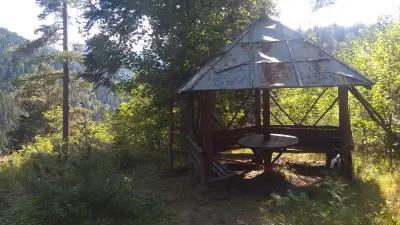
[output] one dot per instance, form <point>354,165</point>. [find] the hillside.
<point>10,68</point>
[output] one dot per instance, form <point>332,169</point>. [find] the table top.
<point>276,141</point>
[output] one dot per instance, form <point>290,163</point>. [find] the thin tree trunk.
<point>171,127</point>
<point>65,80</point>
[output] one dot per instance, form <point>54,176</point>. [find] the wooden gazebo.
<point>266,56</point>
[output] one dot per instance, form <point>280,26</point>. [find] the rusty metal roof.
<point>270,55</point>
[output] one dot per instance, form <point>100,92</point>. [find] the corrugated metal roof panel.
<point>270,55</point>
<point>237,78</point>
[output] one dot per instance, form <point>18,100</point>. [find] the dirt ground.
<point>241,200</point>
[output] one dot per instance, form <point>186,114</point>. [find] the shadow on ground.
<point>246,199</point>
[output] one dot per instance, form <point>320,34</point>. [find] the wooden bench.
<point>221,171</point>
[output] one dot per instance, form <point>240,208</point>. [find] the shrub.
<point>88,188</point>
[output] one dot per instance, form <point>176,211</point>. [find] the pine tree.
<point>51,33</point>
<point>65,77</point>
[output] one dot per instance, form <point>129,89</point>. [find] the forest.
<point>93,133</point>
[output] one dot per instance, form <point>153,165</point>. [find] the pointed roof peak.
<point>264,18</point>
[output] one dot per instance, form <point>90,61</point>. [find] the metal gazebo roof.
<point>270,55</point>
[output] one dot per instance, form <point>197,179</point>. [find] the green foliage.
<point>8,117</point>
<point>183,36</point>
<point>376,53</point>
<point>95,183</point>
<point>88,188</point>
<point>331,37</point>
<point>10,68</point>
<point>371,199</point>
<point>296,102</point>
<point>318,4</point>
<point>48,33</point>
<point>41,92</point>
<point>140,126</point>
<point>334,206</point>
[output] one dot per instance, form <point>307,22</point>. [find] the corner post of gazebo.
<point>266,114</point>
<point>207,100</point>
<point>186,114</point>
<point>257,108</point>
<point>346,136</point>
<point>267,119</point>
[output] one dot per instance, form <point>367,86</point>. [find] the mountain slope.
<point>10,68</point>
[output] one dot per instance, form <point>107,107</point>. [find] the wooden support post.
<point>346,136</point>
<point>266,114</point>
<point>207,105</point>
<point>257,108</point>
<point>193,127</point>
<point>185,117</point>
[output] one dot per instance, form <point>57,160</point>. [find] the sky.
<point>20,16</point>
<point>298,13</point>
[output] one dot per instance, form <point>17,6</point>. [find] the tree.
<point>376,53</point>
<point>37,94</point>
<point>177,37</point>
<point>10,68</point>
<point>41,92</point>
<point>318,4</point>
<point>65,77</point>
<point>52,33</point>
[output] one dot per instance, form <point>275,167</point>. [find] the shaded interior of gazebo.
<point>266,57</point>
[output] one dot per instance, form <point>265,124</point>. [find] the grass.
<point>371,199</point>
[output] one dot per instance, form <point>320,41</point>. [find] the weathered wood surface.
<point>186,114</point>
<point>311,139</point>
<point>207,105</point>
<point>257,108</point>
<point>346,136</point>
<point>266,114</point>
<point>221,172</point>
<point>197,159</point>
<point>275,142</point>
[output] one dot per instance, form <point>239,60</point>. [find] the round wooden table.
<point>263,149</point>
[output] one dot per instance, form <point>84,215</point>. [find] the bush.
<point>329,207</point>
<point>88,188</point>
<point>336,202</point>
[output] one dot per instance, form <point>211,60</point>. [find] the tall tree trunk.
<point>65,79</point>
<point>171,127</point>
